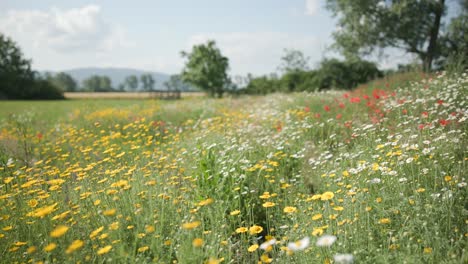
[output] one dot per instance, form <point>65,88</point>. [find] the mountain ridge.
<point>116,74</point>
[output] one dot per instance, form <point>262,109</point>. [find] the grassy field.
<point>376,175</point>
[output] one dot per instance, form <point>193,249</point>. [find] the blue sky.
<point>149,35</point>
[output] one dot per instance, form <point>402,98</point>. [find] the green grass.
<point>210,181</point>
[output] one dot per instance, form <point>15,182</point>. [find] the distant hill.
<point>117,75</point>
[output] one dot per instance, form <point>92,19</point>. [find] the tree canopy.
<point>147,82</point>
<point>63,81</point>
<point>293,60</point>
<point>131,82</point>
<point>97,83</point>
<point>17,79</point>
<point>206,68</point>
<point>411,25</point>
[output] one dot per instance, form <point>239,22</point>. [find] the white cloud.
<point>312,7</point>
<point>259,52</point>
<point>74,30</point>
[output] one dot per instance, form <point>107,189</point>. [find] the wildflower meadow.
<point>373,175</point>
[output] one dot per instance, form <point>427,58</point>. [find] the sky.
<point>150,34</point>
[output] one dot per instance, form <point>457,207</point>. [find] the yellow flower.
<point>428,250</point>
<point>43,211</point>
<point>378,200</point>
<point>149,229</point>
<point>265,195</point>
<point>384,221</point>
<point>197,242</point>
<point>338,208</point>
<point>33,203</point>
<point>447,178</point>
<point>241,230</point>
<point>114,226</point>
<point>109,212</point>
<point>327,196</point>
<point>317,232</point>
<point>214,261</point>
<point>59,231</point>
<point>368,208</point>
<point>235,212</point>
<point>255,229</point>
<point>268,204</point>
<point>75,245</point>
<point>50,247</point>
<point>289,209</point>
<point>96,232</point>
<point>316,197</point>
<point>7,228</point>
<point>206,202</point>
<point>420,190</point>
<point>31,249</point>
<point>191,225</point>
<point>104,250</point>
<point>143,249</point>
<point>317,217</point>
<point>252,248</point>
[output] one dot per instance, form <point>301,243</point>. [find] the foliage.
<point>331,74</point>
<point>454,43</point>
<point>345,75</point>
<point>131,82</point>
<point>147,82</point>
<point>293,61</point>
<point>412,26</point>
<point>63,81</point>
<point>97,83</point>
<point>17,79</point>
<point>206,68</point>
<point>175,83</point>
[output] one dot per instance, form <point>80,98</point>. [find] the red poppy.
<point>307,109</point>
<point>443,122</point>
<point>326,108</point>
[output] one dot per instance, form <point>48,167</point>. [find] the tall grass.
<point>372,176</point>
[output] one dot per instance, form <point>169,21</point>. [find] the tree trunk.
<point>432,47</point>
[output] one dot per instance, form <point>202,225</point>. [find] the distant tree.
<point>147,82</point>
<point>293,61</point>
<point>105,84</point>
<point>206,68</point>
<point>338,74</point>
<point>63,81</point>
<point>16,75</point>
<point>97,83</point>
<point>261,85</point>
<point>411,25</point>
<point>131,82</point>
<point>454,43</point>
<point>175,83</point>
<point>17,79</point>
<point>121,87</point>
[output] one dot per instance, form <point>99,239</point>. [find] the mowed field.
<point>376,175</point>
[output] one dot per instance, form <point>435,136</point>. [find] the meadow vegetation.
<point>374,175</point>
